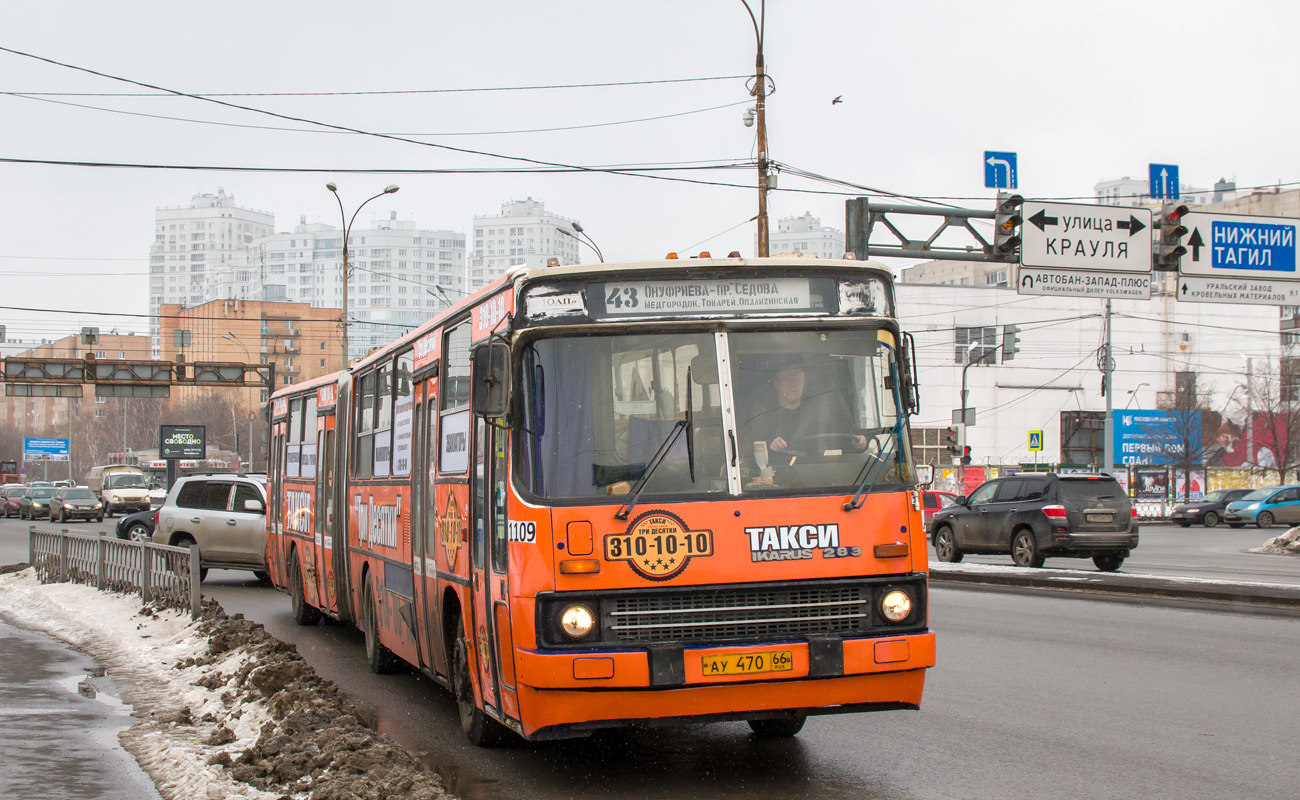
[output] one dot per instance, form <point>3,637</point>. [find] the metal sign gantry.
<point>64,377</point>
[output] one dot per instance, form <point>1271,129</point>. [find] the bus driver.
<point>794,427</point>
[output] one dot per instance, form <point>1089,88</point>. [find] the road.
<point>1033,697</point>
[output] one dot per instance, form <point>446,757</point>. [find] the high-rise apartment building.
<point>523,234</point>
<point>401,275</point>
<point>191,243</point>
<point>804,234</point>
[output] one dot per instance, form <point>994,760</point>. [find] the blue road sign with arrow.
<point>1164,182</point>
<point>1000,170</point>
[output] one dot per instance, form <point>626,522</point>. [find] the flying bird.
<point>838,99</point>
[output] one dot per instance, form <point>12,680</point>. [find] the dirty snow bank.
<point>1288,544</point>
<point>224,709</point>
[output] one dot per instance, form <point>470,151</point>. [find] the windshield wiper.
<point>876,465</point>
<point>683,424</point>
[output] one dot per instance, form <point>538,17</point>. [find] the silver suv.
<point>225,515</point>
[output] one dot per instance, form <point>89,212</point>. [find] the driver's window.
<point>983,494</point>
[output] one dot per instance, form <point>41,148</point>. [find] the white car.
<point>224,514</point>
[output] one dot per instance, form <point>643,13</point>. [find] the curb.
<point>1258,594</point>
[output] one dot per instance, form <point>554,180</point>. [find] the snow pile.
<point>225,710</point>
<point>1288,544</point>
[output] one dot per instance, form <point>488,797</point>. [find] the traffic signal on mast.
<point>1006,225</point>
<point>965,455</point>
<point>950,440</point>
<point>1172,230</point>
<point>1010,342</point>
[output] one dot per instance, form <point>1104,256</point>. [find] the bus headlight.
<point>896,605</point>
<point>577,621</point>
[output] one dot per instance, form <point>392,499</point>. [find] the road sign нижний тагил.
<point>1079,236</point>
<point>1239,246</point>
<point>1164,182</point>
<point>1000,170</point>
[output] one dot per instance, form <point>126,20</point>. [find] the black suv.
<point>1034,516</point>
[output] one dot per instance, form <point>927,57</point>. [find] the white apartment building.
<point>804,234</point>
<point>401,275</point>
<point>959,273</point>
<point>191,243</point>
<point>523,234</point>
<point>1160,347</point>
<point>1128,191</point>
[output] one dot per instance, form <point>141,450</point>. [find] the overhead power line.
<point>462,90</point>
<point>284,129</point>
<point>332,126</point>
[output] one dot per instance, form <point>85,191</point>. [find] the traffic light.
<point>950,440</point>
<point>1006,227</point>
<point>1172,231</point>
<point>965,455</point>
<point>1010,342</point>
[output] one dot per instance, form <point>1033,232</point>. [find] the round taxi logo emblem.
<point>658,545</point>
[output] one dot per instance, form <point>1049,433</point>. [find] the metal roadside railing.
<point>161,574</point>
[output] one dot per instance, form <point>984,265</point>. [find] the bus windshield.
<point>812,411</point>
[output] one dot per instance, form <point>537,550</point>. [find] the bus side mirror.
<point>491,379</point>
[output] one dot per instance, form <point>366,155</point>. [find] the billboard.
<point>45,449</point>
<point>1144,436</point>
<point>182,441</point>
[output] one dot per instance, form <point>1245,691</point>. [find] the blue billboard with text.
<point>1156,437</point>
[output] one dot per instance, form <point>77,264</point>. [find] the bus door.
<point>326,471</point>
<point>423,548</point>
<point>489,585</point>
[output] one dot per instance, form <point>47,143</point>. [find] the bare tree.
<point>1273,419</point>
<point>1180,434</point>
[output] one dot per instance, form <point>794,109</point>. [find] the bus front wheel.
<point>779,728</point>
<point>480,729</point>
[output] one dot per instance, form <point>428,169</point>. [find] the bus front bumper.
<point>572,693</point>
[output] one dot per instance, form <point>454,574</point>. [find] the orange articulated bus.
<point>648,493</point>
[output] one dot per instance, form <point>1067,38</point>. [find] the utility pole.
<point>759,91</point>
<point>1108,423</point>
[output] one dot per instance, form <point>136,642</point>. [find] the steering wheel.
<point>818,443</point>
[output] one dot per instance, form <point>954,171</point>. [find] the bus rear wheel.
<point>479,728</point>
<point>779,728</point>
<point>303,612</point>
<point>380,659</point>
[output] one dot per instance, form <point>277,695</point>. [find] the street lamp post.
<point>1132,393</point>
<point>347,229</point>
<point>759,91</point>
<point>961,470</point>
<point>248,359</point>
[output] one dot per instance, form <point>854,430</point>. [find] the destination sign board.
<point>1239,246</point>
<point>1196,289</point>
<point>1078,283</point>
<point>1078,236</point>
<point>634,297</point>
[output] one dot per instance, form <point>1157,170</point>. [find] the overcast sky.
<point>1081,91</point>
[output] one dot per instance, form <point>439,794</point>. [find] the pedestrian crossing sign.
<point>1035,440</point>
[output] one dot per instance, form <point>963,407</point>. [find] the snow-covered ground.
<point>223,709</point>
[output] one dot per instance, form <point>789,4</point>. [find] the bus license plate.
<point>1100,517</point>
<point>748,663</point>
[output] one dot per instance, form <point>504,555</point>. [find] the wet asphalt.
<point>61,716</point>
